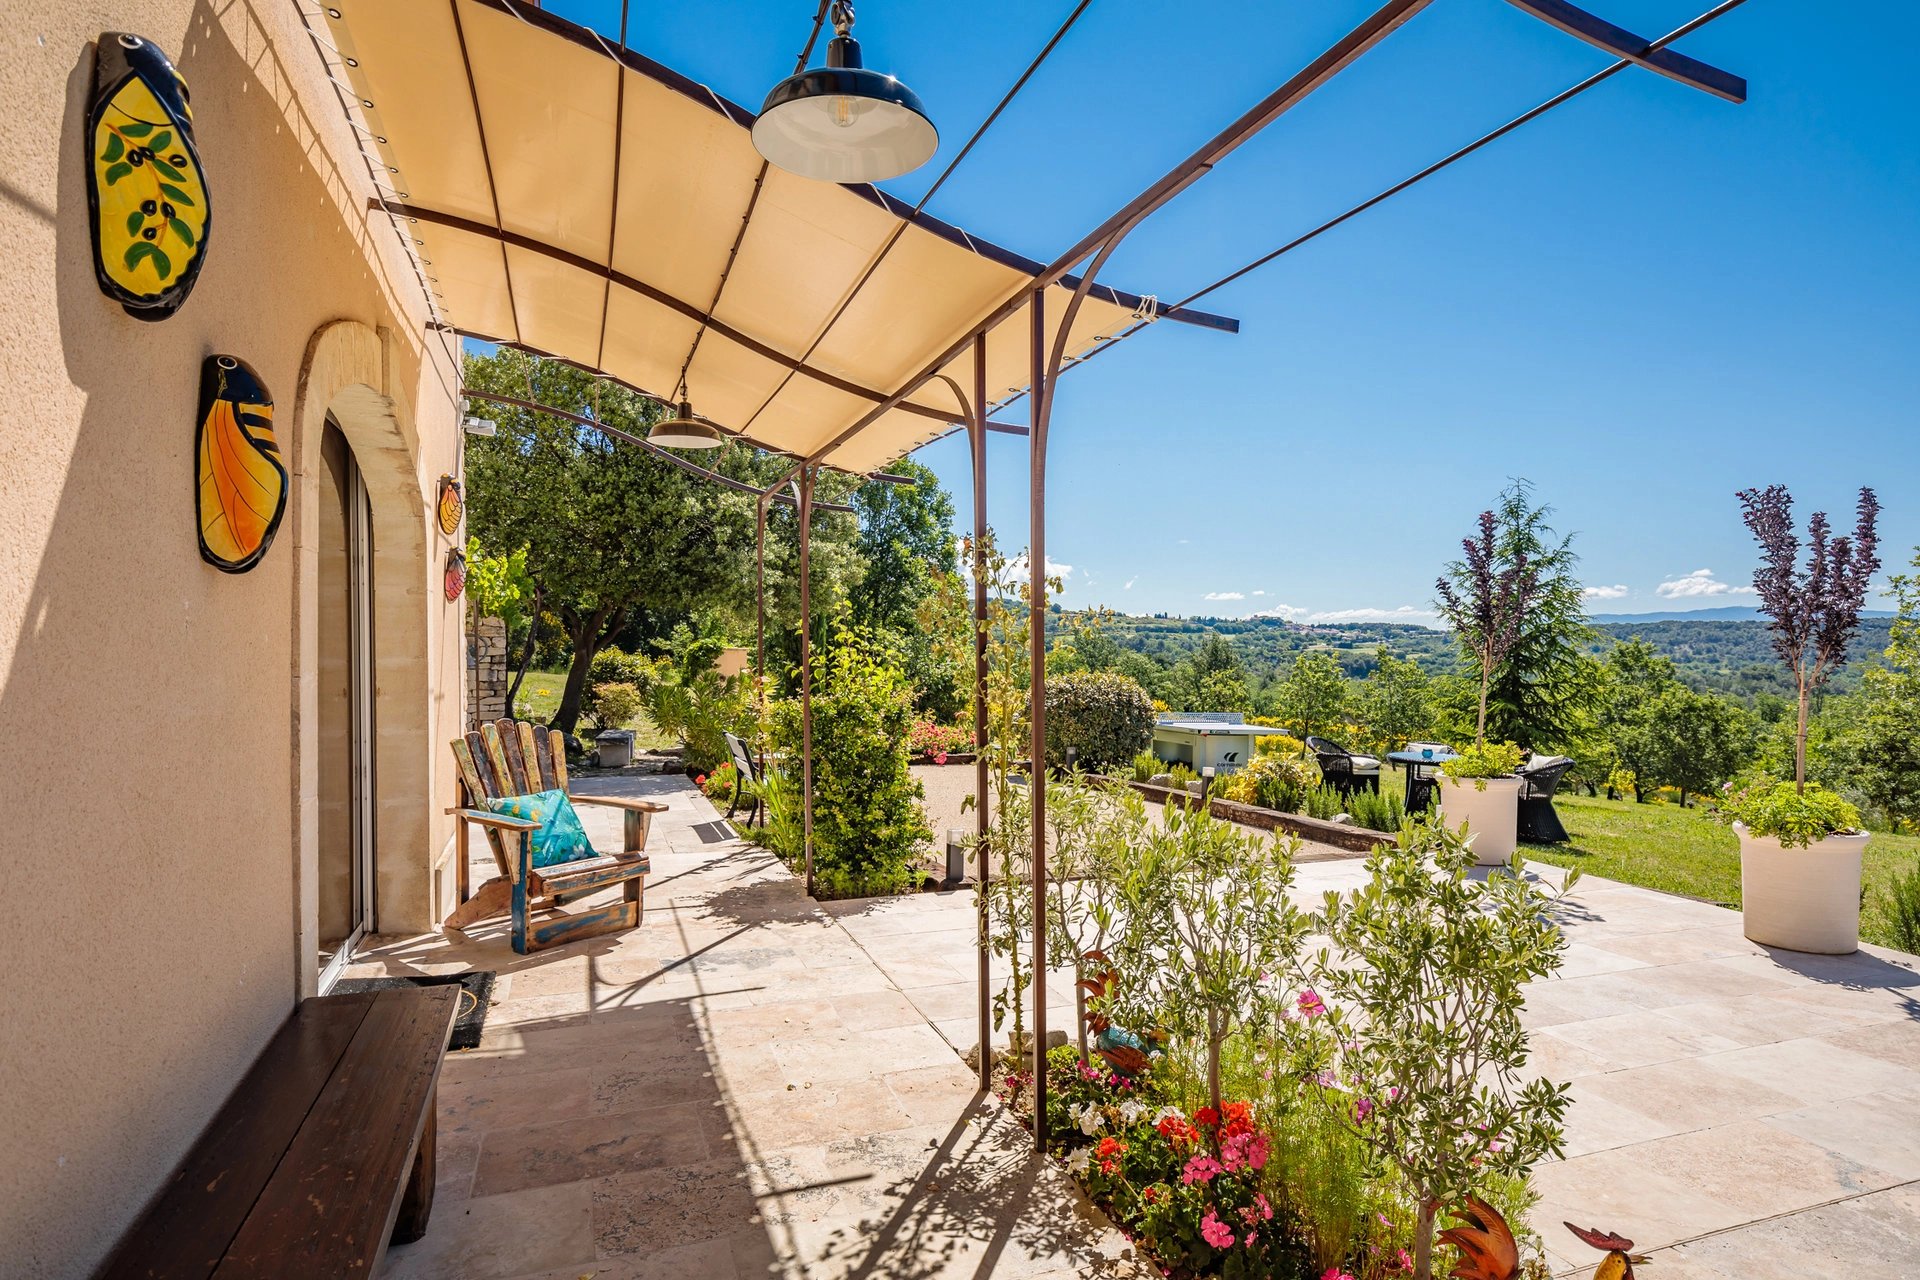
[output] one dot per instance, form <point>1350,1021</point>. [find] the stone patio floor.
<point>754,1085</point>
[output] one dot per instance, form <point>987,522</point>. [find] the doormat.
<point>476,993</point>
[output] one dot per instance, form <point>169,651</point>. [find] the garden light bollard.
<point>957,842</point>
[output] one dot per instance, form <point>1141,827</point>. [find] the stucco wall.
<point>159,804</point>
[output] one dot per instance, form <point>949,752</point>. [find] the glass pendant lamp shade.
<point>842,122</point>
<point>685,430</point>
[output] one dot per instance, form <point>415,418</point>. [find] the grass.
<point>540,698</point>
<point>1665,847</point>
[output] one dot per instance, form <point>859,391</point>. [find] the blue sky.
<point>1642,302</point>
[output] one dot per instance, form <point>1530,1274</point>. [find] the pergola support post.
<point>806,672</point>
<point>979,449</point>
<point>1037,698</point>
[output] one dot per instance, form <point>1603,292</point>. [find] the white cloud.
<point>1287,611</point>
<point>1259,593</point>
<point>1128,586</point>
<point>1225,595</point>
<point>1405,613</point>
<point>1700,583</point>
<point>1017,569</point>
<point>1605,593</point>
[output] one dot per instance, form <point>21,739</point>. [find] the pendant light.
<point>685,430</point>
<point>842,122</point>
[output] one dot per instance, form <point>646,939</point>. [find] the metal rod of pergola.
<point>797,486</point>
<point>1099,245</point>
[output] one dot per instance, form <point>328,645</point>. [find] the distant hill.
<point>1722,650</point>
<point>1723,613</point>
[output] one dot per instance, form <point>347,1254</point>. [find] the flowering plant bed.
<point>1258,1190</point>
<point>938,743</point>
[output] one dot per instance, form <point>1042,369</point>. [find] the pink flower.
<point>1362,1108</point>
<point>1200,1169</point>
<point>1335,1273</point>
<point>940,758</point>
<point>1310,1003</point>
<point>1215,1232</point>
<point>1244,1151</point>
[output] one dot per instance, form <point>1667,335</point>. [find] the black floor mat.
<point>476,994</point>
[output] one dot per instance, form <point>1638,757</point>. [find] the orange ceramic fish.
<point>241,491</point>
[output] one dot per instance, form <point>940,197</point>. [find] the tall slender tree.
<point>1814,611</point>
<point>1485,596</point>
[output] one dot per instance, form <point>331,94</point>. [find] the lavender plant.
<point>1814,610</point>
<point>1485,598</point>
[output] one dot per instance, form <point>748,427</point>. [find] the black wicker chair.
<point>1539,779</point>
<point>1342,769</point>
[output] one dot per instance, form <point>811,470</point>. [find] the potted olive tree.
<point>1485,597</point>
<point>1800,845</point>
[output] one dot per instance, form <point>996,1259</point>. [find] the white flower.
<point>1087,1116</point>
<point>1077,1162</point>
<point>1166,1111</point>
<point>1132,1109</point>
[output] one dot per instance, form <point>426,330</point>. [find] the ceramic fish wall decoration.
<point>456,574</point>
<point>450,506</point>
<point>242,484</point>
<point>145,188</point>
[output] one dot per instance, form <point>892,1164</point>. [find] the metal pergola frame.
<point>1094,249</point>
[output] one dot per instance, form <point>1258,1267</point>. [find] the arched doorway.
<point>345,878</point>
<point>347,410</point>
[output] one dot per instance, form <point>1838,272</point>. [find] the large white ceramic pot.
<point>1491,809</point>
<point>1802,899</point>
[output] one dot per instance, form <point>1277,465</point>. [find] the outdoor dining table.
<point>1416,764</point>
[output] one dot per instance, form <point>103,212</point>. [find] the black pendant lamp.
<point>842,122</point>
<point>685,430</point>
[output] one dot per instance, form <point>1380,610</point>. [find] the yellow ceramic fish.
<point>242,490</point>
<point>145,187</point>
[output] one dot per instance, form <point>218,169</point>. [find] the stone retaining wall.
<point>486,670</point>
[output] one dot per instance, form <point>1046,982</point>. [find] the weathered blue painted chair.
<point>513,758</point>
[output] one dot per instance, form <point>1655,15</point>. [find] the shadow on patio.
<point>735,1088</point>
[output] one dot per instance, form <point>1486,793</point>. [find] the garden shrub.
<point>1902,901</point>
<point>1272,781</point>
<point>867,820</point>
<point>1382,810</point>
<point>1145,765</point>
<point>616,705</point>
<point>1105,717</point>
<point>616,666</point>
<point>1797,819</point>
<point>701,712</point>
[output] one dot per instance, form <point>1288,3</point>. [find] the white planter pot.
<point>1492,815</point>
<point>1802,899</point>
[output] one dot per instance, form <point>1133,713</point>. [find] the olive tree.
<point>1422,984</point>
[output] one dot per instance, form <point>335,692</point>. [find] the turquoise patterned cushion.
<point>560,838</point>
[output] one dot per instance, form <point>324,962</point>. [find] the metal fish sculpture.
<point>242,489</point>
<point>450,505</point>
<point>1618,1264</point>
<point>1486,1244</point>
<point>146,191</point>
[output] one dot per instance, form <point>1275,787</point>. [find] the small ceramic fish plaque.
<point>456,574</point>
<point>450,506</point>
<point>242,489</point>
<point>145,188</point>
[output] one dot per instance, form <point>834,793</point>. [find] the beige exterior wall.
<point>158,719</point>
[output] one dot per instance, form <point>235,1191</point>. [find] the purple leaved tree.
<point>1815,610</point>
<point>1485,597</point>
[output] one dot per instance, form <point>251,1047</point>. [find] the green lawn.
<point>540,698</point>
<point>1662,846</point>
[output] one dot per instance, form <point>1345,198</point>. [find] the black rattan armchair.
<point>1539,779</point>
<point>1342,769</point>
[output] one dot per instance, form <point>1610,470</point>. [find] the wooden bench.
<point>322,1155</point>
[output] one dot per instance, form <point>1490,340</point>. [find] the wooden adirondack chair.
<point>513,758</point>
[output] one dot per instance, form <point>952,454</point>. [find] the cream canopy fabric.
<point>584,202</point>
